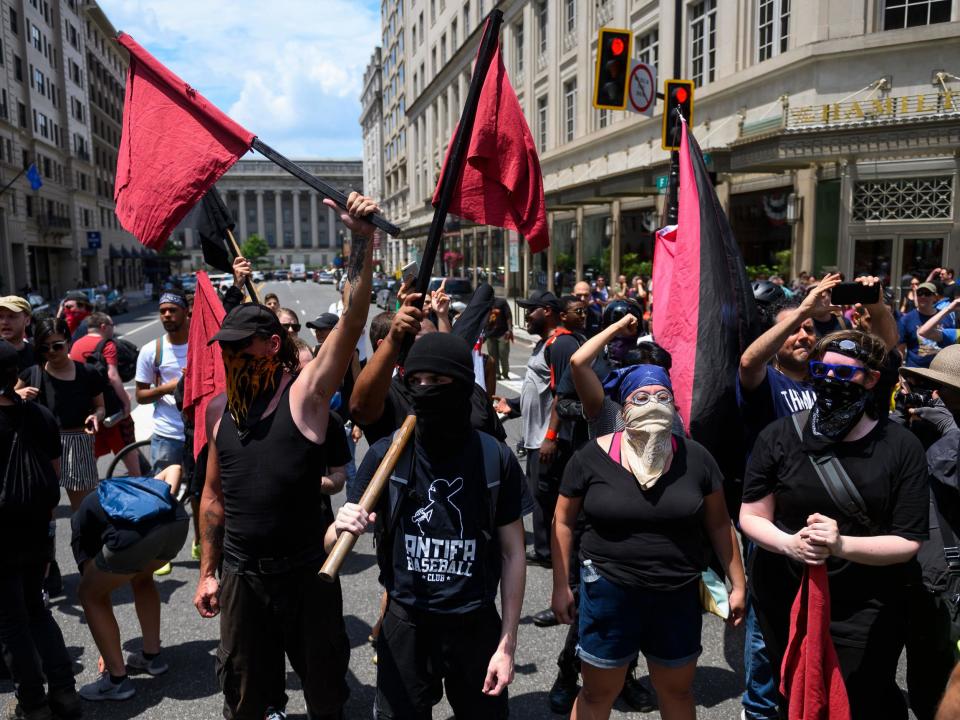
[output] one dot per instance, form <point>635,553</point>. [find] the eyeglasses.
<point>846,373</point>
<point>642,398</point>
<point>54,346</point>
<point>290,326</point>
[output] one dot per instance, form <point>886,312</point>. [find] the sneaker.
<point>195,551</point>
<point>65,704</point>
<point>154,666</point>
<point>104,689</point>
<point>164,570</point>
<point>275,715</point>
<point>637,696</point>
<point>545,618</point>
<point>563,694</point>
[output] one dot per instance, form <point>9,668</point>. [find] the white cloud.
<point>290,71</point>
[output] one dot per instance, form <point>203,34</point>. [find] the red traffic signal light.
<point>612,72</point>
<point>678,100</point>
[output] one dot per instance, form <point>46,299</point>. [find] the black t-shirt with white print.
<point>442,560</point>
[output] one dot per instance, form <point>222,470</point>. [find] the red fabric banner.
<point>502,184</point>
<point>175,145</point>
<point>204,377</point>
<point>810,678</point>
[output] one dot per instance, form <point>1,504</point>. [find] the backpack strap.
<point>492,471</point>
<point>157,359</point>
<point>614,451</point>
<point>835,479</point>
<point>400,482</point>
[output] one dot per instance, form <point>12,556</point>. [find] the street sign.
<point>643,88</point>
<point>93,240</point>
<point>663,182</point>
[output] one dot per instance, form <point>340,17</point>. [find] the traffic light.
<point>677,95</point>
<point>613,65</point>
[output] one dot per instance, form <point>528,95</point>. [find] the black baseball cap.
<point>541,298</point>
<point>246,320</point>
<point>77,296</point>
<point>325,322</point>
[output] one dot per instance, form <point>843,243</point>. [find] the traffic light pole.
<point>673,191</point>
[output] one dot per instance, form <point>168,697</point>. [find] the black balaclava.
<point>840,405</point>
<point>442,410</point>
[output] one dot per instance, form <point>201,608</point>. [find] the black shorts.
<point>421,654</point>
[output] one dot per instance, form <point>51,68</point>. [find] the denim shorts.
<point>165,451</point>
<point>617,623</point>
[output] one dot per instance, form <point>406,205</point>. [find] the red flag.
<point>703,311</point>
<point>501,183</point>
<point>175,145</point>
<point>204,377</point>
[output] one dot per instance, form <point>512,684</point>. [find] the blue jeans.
<point>760,695</point>
<point>165,451</point>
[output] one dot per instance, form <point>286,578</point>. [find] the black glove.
<point>937,417</point>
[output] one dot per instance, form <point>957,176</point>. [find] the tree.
<point>255,249</point>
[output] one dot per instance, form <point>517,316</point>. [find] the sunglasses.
<point>924,293</point>
<point>54,346</point>
<point>642,398</point>
<point>290,326</point>
<point>846,373</point>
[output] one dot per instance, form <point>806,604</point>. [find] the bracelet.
<point>551,434</point>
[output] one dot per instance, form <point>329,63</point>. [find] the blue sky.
<point>290,71</point>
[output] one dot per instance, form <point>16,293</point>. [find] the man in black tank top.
<point>263,500</point>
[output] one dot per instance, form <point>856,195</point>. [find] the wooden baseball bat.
<point>370,497</point>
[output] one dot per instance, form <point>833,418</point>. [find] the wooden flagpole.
<point>236,253</point>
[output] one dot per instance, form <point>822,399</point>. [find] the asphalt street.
<point>189,689</point>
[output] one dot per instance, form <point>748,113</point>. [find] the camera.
<point>911,400</point>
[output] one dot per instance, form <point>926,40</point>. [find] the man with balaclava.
<point>449,531</point>
<point>263,497</point>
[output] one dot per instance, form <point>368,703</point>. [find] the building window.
<point>703,42</point>
<point>924,198</point>
<point>466,20</point>
<point>18,68</point>
<point>14,22</point>
<point>35,37</point>
<point>22,114</point>
<point>542,123</point>
<point>542,18</point>
<point>518,32</point>
<point>443,49</point>
<point>570,15</point>
<point>453,36</point>
<point>569,109</point>
<point>648,49</point>
<point>773,28</point>
<point>898,14</point>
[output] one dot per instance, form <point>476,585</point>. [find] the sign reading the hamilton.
<point>881,109</point>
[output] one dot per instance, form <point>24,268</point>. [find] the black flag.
<point>212,221</point>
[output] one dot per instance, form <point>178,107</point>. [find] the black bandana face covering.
<point>839,407</point>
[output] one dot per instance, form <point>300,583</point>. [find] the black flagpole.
<point>317,184</point>
<point>454,166</point>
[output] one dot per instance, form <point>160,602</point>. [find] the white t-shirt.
<point>363,344</point>
<point>167,421</point>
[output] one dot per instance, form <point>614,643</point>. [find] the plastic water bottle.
<point>113,419</point>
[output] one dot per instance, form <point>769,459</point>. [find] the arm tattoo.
<point>213,530</point>
<point>358,252</point>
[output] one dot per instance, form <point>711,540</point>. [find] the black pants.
<point>544,483</point>
<point>930,650</point>
<point>33,646</point>
<point>264,616</point>
<point>419,654</point>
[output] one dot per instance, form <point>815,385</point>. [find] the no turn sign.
<point>643,88</point>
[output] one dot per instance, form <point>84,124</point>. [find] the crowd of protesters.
<point>849,482</point>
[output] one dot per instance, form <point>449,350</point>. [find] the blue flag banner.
<point>33,175</point>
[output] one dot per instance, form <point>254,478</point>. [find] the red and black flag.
<point>704,312</point>
<point>212,221</point>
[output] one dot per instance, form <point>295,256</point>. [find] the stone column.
<point>475,256</point>
<point>278,217</point>
<point>506,262</point>
<point>332,229</point>
<point>806,188</point>
<point>550,254</point>
<point>297,241</point>
<point>615,242</point>
<point>242,209</point>
<point>526,261</point>
<point>845,248</point>
<point>579,243</point>
<point>488,256</point>
<point>261,225</point>
<point>314,224</point>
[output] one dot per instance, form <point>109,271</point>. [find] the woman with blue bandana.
<point>653,502</point>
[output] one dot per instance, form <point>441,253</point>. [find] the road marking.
<point>140,328</point>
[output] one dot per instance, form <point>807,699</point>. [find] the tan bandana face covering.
<point>647,446</point>
<point>251,382</point>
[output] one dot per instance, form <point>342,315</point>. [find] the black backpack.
<point>28,482</point>
<point>126,360</point>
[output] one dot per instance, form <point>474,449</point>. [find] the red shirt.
<point>82,348</point>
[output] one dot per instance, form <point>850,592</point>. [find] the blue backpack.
<point>135,499</point>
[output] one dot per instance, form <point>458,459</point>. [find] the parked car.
<point>97,299</point>
<point>38,303</point>
<point>325,277</point>
<point>257,276</point>
<point>188,282</point>
<point>281,275</point>
<point>460,289</point>
<point>117,301</point>
<point>387,296</point>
